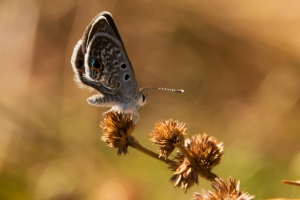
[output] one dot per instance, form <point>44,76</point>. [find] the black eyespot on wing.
<point>123,66</point>
<point>95,63</point>
<point>126,77</point>
<point>118,84</point>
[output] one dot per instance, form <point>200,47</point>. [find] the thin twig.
<point>136,145</point>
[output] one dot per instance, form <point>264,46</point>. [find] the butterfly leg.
<point>135,113</point>
<point>138,117</point>
<point>123,116</point>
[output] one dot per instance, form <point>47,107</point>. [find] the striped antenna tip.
<point>164,89</point>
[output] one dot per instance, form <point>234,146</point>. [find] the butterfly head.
<point>142,99</point>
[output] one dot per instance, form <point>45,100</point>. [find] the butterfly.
<point>99,61</point>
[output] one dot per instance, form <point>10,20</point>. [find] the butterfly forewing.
<point>99,60</point>
<point>106,61</point>
<point>112,24</point>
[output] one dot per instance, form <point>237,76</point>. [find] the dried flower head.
<point>226,191</point>
<point>205,150</point>
<point>185,175</point>
<point>117,129</point>
<point>168,134</point>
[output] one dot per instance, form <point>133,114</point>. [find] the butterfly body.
<point>99,61</point>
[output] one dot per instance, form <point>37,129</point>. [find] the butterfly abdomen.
<point>103,101</point>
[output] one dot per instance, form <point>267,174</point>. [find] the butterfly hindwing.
<point>82,80</point>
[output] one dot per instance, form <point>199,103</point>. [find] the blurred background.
<point>238,62</point>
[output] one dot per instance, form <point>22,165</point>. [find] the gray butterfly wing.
<point>88,33</point>
<point>77,62</point>
<point>100,61</point>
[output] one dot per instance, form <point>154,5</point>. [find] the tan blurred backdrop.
<point>238,62</point>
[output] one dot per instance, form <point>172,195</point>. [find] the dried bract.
<point>185,175</point>
<point>168,134</point>
<point>117,129</point>
<point>226,191</point>
<point>205,150</point>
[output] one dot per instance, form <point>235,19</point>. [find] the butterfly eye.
<point>144,98</point>
<point>95,63</point>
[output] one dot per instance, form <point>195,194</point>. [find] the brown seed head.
<point>206,150</point>
<point>226,191</point>
<point>185,175</point>
<point>168,134</point>
<point>116,128</point>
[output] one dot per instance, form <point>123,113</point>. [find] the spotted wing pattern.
<point>100,61</point>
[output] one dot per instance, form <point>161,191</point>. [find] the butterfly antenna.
<point>165,89</point>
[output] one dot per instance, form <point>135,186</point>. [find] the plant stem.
<point>136,145</point>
